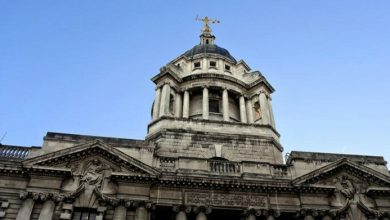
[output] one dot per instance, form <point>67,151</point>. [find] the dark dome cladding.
<point>209,48</point>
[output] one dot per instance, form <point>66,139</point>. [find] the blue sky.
<point>84,67</point>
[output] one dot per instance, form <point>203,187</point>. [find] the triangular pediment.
<point>168,71</point>
<point>69,159</point>
<point>343,168</point>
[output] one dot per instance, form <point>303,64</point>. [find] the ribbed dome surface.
<point>209,48</point>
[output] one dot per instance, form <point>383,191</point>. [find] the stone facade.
<point>212,152</point>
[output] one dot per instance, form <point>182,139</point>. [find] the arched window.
<point>172,104</point>
<point>257,112</point>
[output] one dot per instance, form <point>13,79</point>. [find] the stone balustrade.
<point>227,167</point>
<point>280,171</point>
<point>14,152</point>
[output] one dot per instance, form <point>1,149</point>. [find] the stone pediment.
<point>71,160</point>
<point>169,70</point>
<point>332,173</point>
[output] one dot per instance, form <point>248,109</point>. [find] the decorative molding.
<point>40,196</point>
<point>184,208</point>
<point>225,199</point>
<point>205,209</point>
<point>252,211</point>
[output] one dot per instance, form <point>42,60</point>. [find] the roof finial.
<point>206,30</point>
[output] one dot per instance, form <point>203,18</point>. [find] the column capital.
<point>271,213</point>
<point>205,209</point>
<point>179,208</point>
<point>46,196</point>
<point>117,202</point>
<point>252,211</point>
<point>308,213</point>
<point>25,195</point>
<point>264,92</point>
<point>205,86</point>
<point>247,97</point>
<point>145,204</point>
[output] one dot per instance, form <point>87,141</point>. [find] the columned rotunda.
<point>212,152</point>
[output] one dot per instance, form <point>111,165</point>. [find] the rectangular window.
<point>84,214</point>
<point>227,68</point>
<point>214,106</point>
<point>213,64</point>
<point>197,65</point>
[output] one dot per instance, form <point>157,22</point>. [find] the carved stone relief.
<point>230,200</point>
<point>351,194</point>
<point>90,182</point>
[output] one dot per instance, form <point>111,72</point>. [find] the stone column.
<point>309,217</point>
<point>242,109</point>
<point>141,213</point>
<point>201,212</point>
<point>25,210</point>
<point>271,112</point>
<point>181,211</point>
<point>164,102</point>
<point>181,215</point>
<point>249,110</point>
<point>120,213</point>
<point>156,104</point>
<point>178,105</point>
<point>186,104</point>
<point>251,217</point>
<point>205,104</point>
<point>250,214</point>
<point>225,104</point>
<point>201,216</point>
<point>47,210</point>
<point>263,101</point>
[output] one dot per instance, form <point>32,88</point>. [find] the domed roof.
<point>208,48</point>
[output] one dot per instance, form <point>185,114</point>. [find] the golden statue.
<point>206,20</point>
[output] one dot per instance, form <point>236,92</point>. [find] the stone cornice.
<point>12,171</point>
<point>383,191</point>
<point>137,178</point>
<point>229,79</point>
<point>215,76</point>
<point>264,186</point>
<point>217,122</point>
<point>47,171</point>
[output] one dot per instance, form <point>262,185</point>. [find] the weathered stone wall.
<point>233,148</point>
<point>10,201</point>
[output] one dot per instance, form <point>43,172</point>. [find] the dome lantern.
<point>206,37</point>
